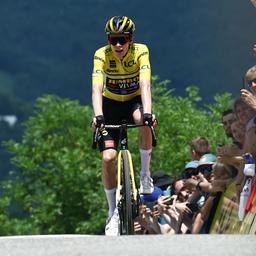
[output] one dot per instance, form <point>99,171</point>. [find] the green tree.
<point>181,119</point>
<point>57,188</point>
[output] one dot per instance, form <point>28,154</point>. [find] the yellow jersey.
<point>121,78</point>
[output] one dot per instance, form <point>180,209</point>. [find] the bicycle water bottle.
<point>249,168</point>
<point>244,196</point>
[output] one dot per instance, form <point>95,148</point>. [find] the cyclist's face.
<point>119,45</point>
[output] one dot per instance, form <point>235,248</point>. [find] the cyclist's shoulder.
<point>140,47</point>
<point>103,51</point>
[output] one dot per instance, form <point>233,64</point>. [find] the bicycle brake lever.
<point>95,138</point>
<point>154,142</point>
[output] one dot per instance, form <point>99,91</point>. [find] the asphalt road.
<point>80,245</point>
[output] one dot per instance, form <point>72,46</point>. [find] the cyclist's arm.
<point>97,99</point>
<point>146,96</point>
<point>145,77</point>
<point>97,83</point>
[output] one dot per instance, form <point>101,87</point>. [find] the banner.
<point>226,220</point>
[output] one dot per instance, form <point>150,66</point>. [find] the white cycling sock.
<point>111,198</point>
<point>145,157</point>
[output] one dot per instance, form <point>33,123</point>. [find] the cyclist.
<point>121,90</point>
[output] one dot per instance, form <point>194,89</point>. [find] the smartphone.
<point>169,202</point>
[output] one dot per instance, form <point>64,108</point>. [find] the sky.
<point>203,43</point>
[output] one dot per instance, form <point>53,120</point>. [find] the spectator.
<point>162,180</point>
<point>244,134</point>
<point>253,2</point>
<point>238,134</point>
<point>248,95</point>
<point>199,146</point>
<point>246,115</point>
<point>149,215</point>
<point>205,165</point>
<point>221,178</point>
<point>190,169</point>
<point>228,118</point>
<point>174,209</point>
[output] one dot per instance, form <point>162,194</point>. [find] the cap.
<point>151,197</point>
<point>207,159</point>
<point>192,164</point>
<point>161,179</point>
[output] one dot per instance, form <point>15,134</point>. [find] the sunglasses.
<point>190,172</point>
<point>205,170</point>
<point>250,83</point>
<point>120,39</point>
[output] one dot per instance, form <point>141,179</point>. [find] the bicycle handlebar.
<point>122,126</point>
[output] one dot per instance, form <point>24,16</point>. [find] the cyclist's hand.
<point>148,119</point>
<point>99,121</point>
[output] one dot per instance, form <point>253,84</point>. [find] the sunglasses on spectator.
<point>119,39</point>
<point>250,83</point>
<point>205,170</point>
<point>191,172</point>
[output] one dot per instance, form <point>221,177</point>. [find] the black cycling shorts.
<point>114,113</point>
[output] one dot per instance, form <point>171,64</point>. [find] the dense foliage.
<point>57,188</point>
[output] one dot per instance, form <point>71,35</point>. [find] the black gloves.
<point>100,121</point>
<point>147,119</point>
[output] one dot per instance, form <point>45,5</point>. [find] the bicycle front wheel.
<point>127,223</point>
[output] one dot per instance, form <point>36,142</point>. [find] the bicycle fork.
<point>119,177</point>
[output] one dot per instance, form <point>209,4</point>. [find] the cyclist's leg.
<point>108,146</point>
<point>145,146</point>
<point>109,178</point>
<point>145,143</point>
<point>109,182</point>
<point>145,138</point>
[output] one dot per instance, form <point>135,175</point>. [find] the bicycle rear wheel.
<point>126,218</point>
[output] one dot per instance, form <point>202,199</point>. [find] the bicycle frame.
<point>119,173</point>
<point>127,197</point>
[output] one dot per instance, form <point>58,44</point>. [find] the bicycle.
<point>127,196</point>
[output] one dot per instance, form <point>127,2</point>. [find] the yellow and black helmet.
<point>120,25</point>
